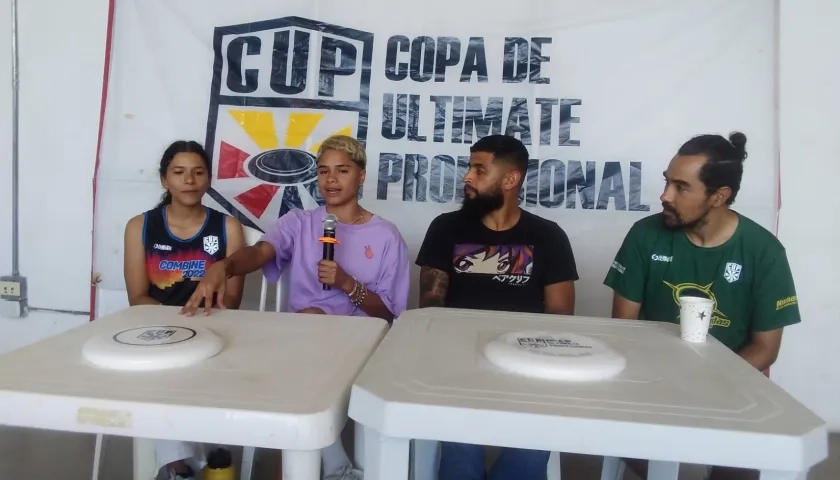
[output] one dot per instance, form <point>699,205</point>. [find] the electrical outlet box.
<point>13,287</point>
<point>10,290</point>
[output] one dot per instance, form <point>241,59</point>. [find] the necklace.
<point>362,214</point>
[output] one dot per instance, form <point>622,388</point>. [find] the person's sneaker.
<point>346,473</point>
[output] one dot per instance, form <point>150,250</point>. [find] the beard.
<point>674,221</point>
<point>477,205</point>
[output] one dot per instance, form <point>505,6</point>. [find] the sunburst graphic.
<point>264,158</point>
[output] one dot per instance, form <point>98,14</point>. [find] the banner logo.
<point>280,88</point>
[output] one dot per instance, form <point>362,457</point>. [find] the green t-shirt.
<point>748,277</point>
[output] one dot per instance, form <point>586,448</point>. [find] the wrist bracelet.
<point>355,288</point>
<point>358,300</point>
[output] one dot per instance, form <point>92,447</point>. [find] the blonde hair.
<point>348,145</point>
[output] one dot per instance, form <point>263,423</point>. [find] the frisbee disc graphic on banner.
<point>270,112</point>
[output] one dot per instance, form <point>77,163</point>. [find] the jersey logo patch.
<point>211,244</point>
<point>368,252</point>
<point>732,272</point>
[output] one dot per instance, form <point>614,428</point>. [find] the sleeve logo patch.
<point>786,302</point>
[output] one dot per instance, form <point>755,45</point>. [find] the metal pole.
<point>15,135</point>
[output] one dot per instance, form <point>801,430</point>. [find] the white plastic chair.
<point>281,297</point>
<point>144,453</point>
<point>281,304</point>
<point>110,299</point>
<point>144,448</point>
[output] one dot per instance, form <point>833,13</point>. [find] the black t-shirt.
<point>175,265</point>
<point>492,270</point>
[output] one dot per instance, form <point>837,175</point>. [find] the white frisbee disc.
<point>153,347</point>
<point>554,356</point>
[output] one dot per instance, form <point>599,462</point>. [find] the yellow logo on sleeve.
<point>786,302</point>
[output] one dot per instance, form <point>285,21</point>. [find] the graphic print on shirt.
<point>167,269</point>
<point>508,264</point>
<point>719,319</point>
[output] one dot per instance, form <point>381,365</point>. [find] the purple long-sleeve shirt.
<point>373,252</point>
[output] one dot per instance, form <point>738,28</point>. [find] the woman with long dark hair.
<point>169,248</point>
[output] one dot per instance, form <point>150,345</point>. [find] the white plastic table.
<point>282,381</point>
<point>674,402</point>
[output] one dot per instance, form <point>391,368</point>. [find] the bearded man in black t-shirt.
<point>492,255</point>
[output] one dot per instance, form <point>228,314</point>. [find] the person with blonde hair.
<point>368,277</point>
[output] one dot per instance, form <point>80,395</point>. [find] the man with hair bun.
<point>699,246</point>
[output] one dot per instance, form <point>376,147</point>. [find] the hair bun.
<point>739,141</point>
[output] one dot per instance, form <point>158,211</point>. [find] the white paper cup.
<point>695,317</point>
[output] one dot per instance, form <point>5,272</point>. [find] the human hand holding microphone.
<point>330,273</point>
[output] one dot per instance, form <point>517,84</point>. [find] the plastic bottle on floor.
<point>219,466</point>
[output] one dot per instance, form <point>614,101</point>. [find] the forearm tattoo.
<point>433,286</point>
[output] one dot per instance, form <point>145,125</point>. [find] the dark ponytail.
<point>179,146</point>
<point>165,199</point>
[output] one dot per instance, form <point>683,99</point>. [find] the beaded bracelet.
<point>358,294</point>
<point>358,301</point>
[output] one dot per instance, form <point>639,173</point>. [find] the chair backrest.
<point>281,296</point>
<point>252,235</point>
<point>109,301</point>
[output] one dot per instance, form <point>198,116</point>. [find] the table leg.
<point>98,455</point>
<point>663,470</point>
<point>426,459</point>
<point>144,459</point>
<point>246,469</point>
<point>775,475</point>
<point>359,446</point>
<point>612,469</point>
<point>385,458</point>
<point>301,464</point>
<point>554,469</point>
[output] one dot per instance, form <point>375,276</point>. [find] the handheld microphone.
<point>329,241</point>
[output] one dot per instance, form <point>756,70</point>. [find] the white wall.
<point>62,51</point>
<point>810,164</point>
<point>62,47</point>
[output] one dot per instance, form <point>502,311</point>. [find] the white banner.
<point>603,93</point>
